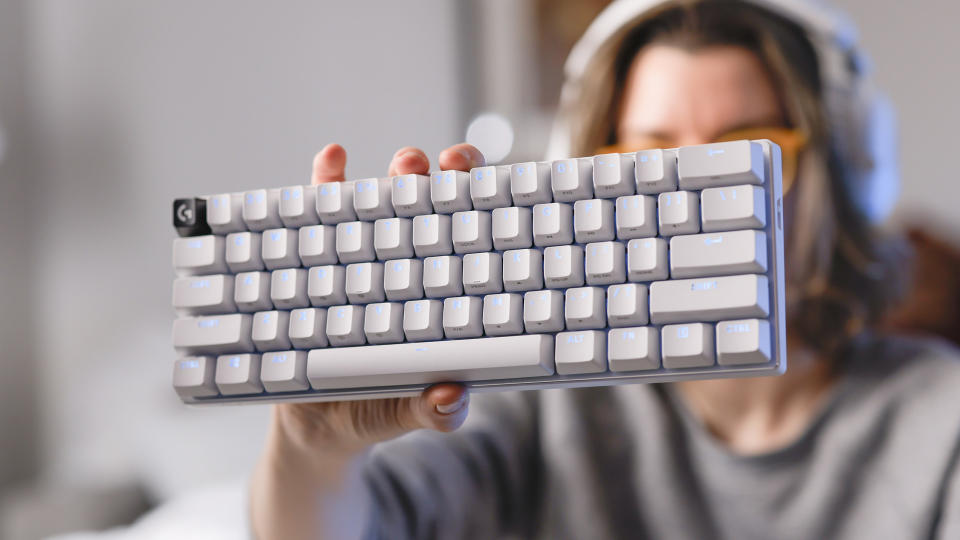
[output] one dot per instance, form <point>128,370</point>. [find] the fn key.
<point>190,217</point>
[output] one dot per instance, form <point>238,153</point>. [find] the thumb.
<point>442,407</point>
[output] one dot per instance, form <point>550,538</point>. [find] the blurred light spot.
<point>492,134</point>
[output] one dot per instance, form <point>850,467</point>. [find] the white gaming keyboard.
<point>659,265</point>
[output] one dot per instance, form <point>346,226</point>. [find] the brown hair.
<point>841,275</point>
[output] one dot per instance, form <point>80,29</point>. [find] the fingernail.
<point>466,155</point>
<point>451,408</point>
<point>411,153</point>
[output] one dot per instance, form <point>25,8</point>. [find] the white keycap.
<point>326,286</point>
<point>270,330</point>
<point>345,326</point>
<point>581,352</point>
<point>432,235</point>
<point>633,349</point>
<point>298,206</point>
<point>656,171</point>
<point>647,259</point>
<point>571,179</point>
<point>718,254</point>
<point>482,273</point>
<point>552,224</point>
<point>471,232</point>
<point>490,187</point>
<point>423,320</point>
<point>593,220</point>
<point>225,213</point>
<point>745,341</point>
<point>462,317</point>
<point>563,266</point>
<point>238,374</point>
<point>199,255</point>
<point>383,323</point>
<point>613,175</point>
<point>213,334</point>
<point>284,371</point>
<point>364,283</point>
<point>261,209</point>
<point>687,345</point>
<point>731,208</point>
<point>251,291</point>
<point>393,238</point>
<point>450,191</point>
<point>202,295</point>
<point>512,228</point>
<point>243,252</point>
<point>709,299</point>
<point>543,311</point>
<point>193,376</point>
<point>279,248</point>
<point>679,213</point>
<point>606,263</point>
<point>503,314</point>
<point>355,242</point>
<point>442,276</point>
<point>636,217</point>
<point>720,164</point>
<point>288,288</point>
<point>335,203</point>
<point>403,279</point>
<point>522,270</point>
<point>318,245</point>
<point>307,328</point>
<point>627,305</point>
<point>585,308</point>
<point>372,199</point>
<point>530,183</point>
<point>411,195</point>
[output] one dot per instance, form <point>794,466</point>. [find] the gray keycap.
<point>718,254</point>
<point>288,288</point>
<point>503,314</point>
<point>633,349</point>
<point>687,345</point>
<point>709,299</point>
<point>490,187</point>
<point>613,175</point>
<point>585,308</point>
<point>745,341</point>
<point>423,320</point>
<point>393,238</point>
<point>656,171</point>
<point>213,334</point>
<point>372,199</point>
<point>193,376</point>
<point>543,311</point>
<point>355,242</point>
<point>679,213</point>
<point>552,224</point>
<point>335,203</point>
<point>450,191</point>
<point>279,248</point>
<point>345,326</point>
<point>512,228</point>
<point>432,235</point>
<point>199,255</point>
<point>238,374</point>
<point>720,164</point>
<point>442,276</point>
<point>647,259</point>
<point>204,295</point>
<point>318,245</point>
<point>606,263</point>
<point>593,220</point>
<point>462,317</point>
<point>571,179</point>
<point>284,371</point>
<point>530,183</point>
<point>636,217</point>
<point>403,279</point>
<point>251,291</point>
<point>307,328</point>
<point>225,213</point>
<point>730,208</point>
<point>482,273</point>
<point>563,266</point>
<point>581,352</point>
<point>471,232</point>
<point>243,251</point>
<point>522,270</point>
<point>411,195</point>
<point>261,209</point>
<point>627,305</point>
<point>271,330</point>
<point>383,323</point>
<point>364,283</point>
<point>326,286</point>
<point>298,206</point>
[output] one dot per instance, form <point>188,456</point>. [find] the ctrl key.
<point>193,377</point>
<point>238,374</point>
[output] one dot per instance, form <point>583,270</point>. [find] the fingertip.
<point>409,160</point>
<point>329,164</point>
<point>461,157</point>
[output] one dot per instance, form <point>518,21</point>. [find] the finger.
<point>461,157</point>
<point>329,165</point>
<point>445,406</point>
<point>409,160</point>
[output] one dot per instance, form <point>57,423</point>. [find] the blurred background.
<point>109,109</point>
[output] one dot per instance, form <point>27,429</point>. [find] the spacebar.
<point>427,362</point>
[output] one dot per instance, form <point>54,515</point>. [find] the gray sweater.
<point>879,461</point>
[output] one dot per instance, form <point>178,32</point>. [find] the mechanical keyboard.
<point>653,266</point>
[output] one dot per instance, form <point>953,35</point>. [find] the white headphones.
<point>862,120</point>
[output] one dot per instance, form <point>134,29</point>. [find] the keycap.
<point>679,213</point>
<point>450,191</point>
<point>687,345</point>
<point>571,179</point>
<point>613,175</point>
<point>261,209</point>
<point>709,299</point>
<point>393,238</point>
<point>225,213</point>
<point>345,326</point>
<point>581,352</point>
<point>432,235</point>
<point>201,295</point>
<point>279,248</point>
<point>490,187</point>
<point>213,334</point>
<point>251,291</point>
<point>238,374</point>
<point>720,164</point>
<point>403,279</point>
<point>745,341</point>
<point>502,314</point>
<point>326,286</point>
<point>593,220</point>
<point>718,254</point>
<point>270,330</point>
<point>364,283</point>
<point>335,203</point>
<point>462,317</point>
<point>199,255</point>
<point>318,245</point>
<point>288,288</point>
<point>372,198</point>
<point>530,183</point>
<point>298,206</point>
<point>355,242</point>
<point>656,171</point>
<point>507,357</point>
<point>423,320</point>
<point>284,371</point>
<point>411,195</point>
<point>243,252</point>
<point>606,263</point>
<point>307,329</point>
<point>585,308</point>
<point>442,276</point>
<point>563,266</point>
<point>636,217</point>
<point>731,208</point>
<point>193,376</point>
<point>190,217</point>
<point>627,305</point>
<point>482,273</point>
<point>552,224</point>
<point>543,311</point>
<point>471,232</point>
<point>633,349</point>
<point>383,322</point>
<point>512,228</point>
<point>522,270</point>
<point>647,259</point>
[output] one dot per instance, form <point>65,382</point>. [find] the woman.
<point>859,439</point>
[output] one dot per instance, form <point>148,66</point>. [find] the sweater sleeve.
<point>948,524</point>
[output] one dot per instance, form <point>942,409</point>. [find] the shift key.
<point>709,299</point>
<point>215,334</point>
